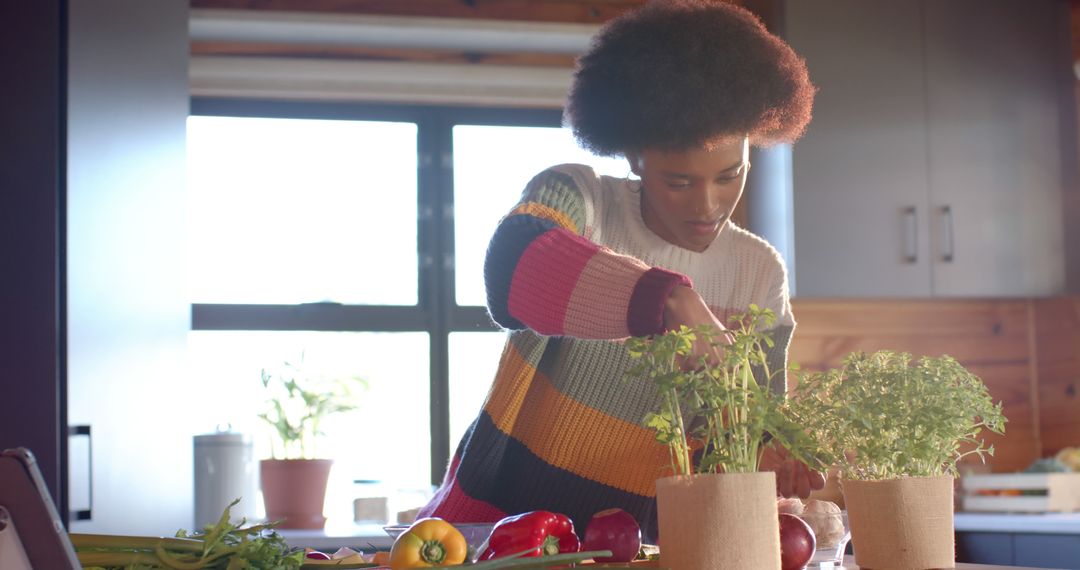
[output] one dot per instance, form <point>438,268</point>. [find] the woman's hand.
<point>685,307</point>
<point>793,478</point>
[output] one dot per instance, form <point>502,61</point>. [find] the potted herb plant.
<point>717,510</point>
<point>898,427</point>
<point>293,480</point>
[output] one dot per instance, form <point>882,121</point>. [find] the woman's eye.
<point>678,183</point>
<point>731,177</point>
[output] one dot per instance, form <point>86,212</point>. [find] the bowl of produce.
<point>832,533</point>
<point>475,534</point>
<point>829,524</point>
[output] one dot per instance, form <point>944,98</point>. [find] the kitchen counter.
<point>1048,523</point>
<point>849,564</point>
<point>336,535</point>
<point>367,536</point>
<point>371,536</point>
<point>1050,540</point>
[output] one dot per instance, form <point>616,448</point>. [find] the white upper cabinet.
<point>994,75</point>
<point>933,165</point>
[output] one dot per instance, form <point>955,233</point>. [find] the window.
<point>294,211</point>
<point>488,180</point>
<point>355,234</point>
<point>377,441</point>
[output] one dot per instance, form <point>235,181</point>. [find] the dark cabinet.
<point>1019,549</point>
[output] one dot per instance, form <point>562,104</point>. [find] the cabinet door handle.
<point>88,513</point>
<point>911,235</point>
<point>947,251</point>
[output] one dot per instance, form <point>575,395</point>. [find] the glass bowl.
<point>475,535</point>
<point>832,532</point>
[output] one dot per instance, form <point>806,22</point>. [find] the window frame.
<point>436,311</point>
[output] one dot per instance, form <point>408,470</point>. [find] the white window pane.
<point>491,167</point>
<point>285,211</point>
<point>387,438</point>
<point>474,358</point>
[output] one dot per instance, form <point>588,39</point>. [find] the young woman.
<point>681,89</point>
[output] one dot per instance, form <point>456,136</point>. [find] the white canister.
<point>225,470</point>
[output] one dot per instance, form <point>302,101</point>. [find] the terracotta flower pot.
<point>719,521</point>
<point>294,491</point>
<point>902,524</point>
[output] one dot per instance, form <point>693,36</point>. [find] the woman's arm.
<point>543,273</point>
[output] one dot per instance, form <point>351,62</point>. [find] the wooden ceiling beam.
<point>571,11</point>
<point>244,49</point>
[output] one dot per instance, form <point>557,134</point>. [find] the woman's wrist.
<point>648,310</point>
<point>676,305</point>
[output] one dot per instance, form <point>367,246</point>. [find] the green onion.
<point>518,562</point>
<point>81,541</point>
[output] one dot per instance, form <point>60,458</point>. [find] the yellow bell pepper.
<point>428,542</point>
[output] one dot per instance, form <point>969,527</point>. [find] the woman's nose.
<point>707,200</point>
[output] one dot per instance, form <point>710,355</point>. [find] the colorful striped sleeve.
<point>542,273</point>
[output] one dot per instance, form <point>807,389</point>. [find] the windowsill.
<point>337,534</point>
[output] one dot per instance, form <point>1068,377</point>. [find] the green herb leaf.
<point>725,409</point>
<point>885,415</point>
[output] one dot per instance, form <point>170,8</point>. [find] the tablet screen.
<point>32,534</point>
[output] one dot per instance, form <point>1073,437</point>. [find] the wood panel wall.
<point>1027,351</point>
<point>1057,342</point>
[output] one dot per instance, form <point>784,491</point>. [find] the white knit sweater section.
<point>738,269</point>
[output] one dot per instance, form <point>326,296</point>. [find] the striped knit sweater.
<point>570,272</point>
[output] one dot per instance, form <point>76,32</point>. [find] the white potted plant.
<point>717,510</point>
<point>294,479</point>
<point>897,428</point>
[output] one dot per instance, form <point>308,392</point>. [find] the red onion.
<point>614,530</point>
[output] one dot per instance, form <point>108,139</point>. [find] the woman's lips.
<point>704,228</point>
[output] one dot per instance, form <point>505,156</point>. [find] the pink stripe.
<point>443,491</point>
<point>457,507</point>
<point>450,503</point>
<point>599,303</point>
<point>545,278</point>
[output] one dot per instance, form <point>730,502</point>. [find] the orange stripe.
<point>547,213</point>
<point>567,434</point>
<point>570,435</point>
<point>508,393</point>
<point>589,443</point>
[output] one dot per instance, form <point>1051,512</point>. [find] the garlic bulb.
<point>791,506</point>
<point>825,520</point>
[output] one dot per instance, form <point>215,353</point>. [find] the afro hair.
<point>679,74</point>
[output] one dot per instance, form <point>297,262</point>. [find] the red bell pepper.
<point>543,532</point>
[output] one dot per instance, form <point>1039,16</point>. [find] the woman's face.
<point>688,195</point>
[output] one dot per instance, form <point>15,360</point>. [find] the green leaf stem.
<point>723,409</point>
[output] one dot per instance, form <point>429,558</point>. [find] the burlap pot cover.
<point>719,522</point>
<point>902,524</point>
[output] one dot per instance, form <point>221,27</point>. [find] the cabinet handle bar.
<point>947,250</point>
<point>911,235</point>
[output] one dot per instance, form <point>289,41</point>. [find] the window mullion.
<point>435,236</point>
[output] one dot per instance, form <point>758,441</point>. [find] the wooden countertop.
<point>849,564</point>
